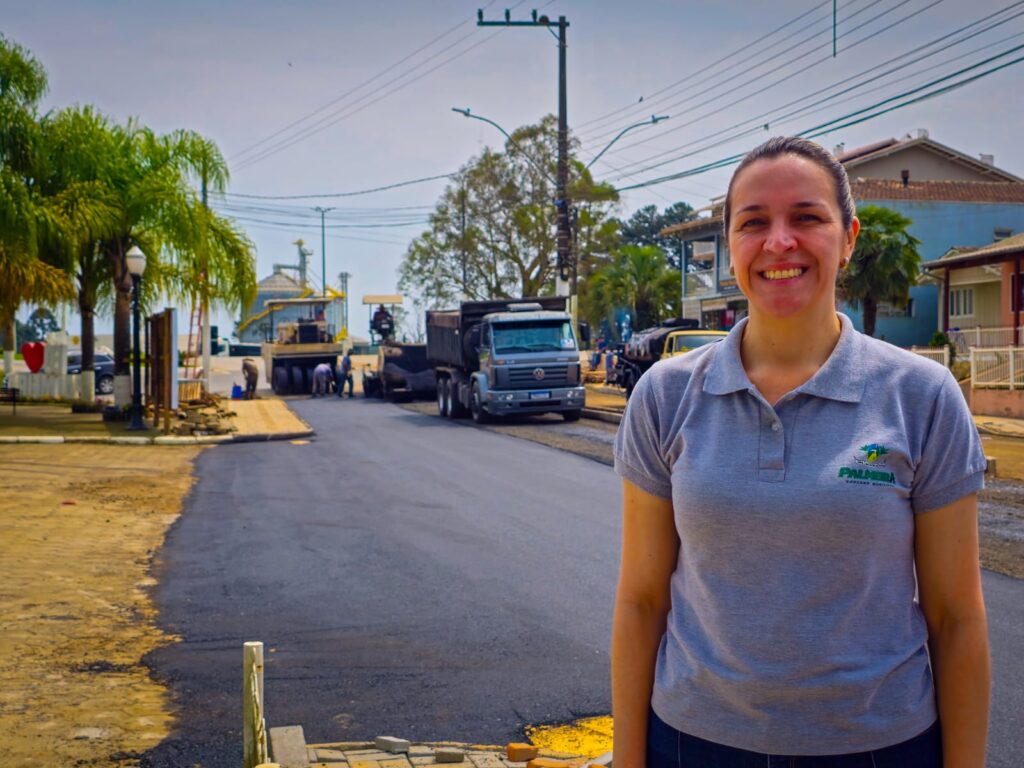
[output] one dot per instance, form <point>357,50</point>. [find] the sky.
<point>324,97</point>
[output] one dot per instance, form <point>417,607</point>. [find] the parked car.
<point>103,365</point>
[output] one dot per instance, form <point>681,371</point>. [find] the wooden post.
<point>1015,299</point>
<point>945,300</point>
<point>170,358</point>
<point>254,739</point>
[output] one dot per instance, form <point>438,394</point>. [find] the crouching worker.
<point>322,378</point>
<point>252,376</point>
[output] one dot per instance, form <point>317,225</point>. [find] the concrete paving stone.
<point>520,752</point>
<point>311,755</point>
<point>396,762</point>
<point>131,440</point>
<point>212,439</point>
<point>422,760</point>
<point>372,754</point>
<point>288,746</point>
<point>327,755</point>
<point>392,744</point>
<point>513,763</point>
<point>449,755</point>
<point>547,762</point>
<point>354,763</point>
<point>174,440</point>
<point>421,750</point>
<point>486,760</point>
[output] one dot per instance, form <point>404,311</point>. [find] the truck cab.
<point>498,358</point>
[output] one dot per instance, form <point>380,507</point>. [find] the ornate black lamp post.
<point>136,261</point>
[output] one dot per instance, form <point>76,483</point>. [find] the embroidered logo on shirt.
<point>873,453</point>
<point>873,457</point>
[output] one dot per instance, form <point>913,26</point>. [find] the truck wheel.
<point>442,397</point>
<point>571,415</point>
<point>476,407</point>
<point>456,410</point>
<point>298,381</point>
<point>280,381</point>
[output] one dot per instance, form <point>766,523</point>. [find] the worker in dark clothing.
<point>252,377</point>
<point>344,375</point>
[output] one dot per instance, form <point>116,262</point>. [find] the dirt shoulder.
<point>79,524</point>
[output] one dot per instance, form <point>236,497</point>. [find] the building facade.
<point>952,200</point>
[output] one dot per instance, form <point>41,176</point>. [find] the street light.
<point>136,262</point>
<point>654,119</point>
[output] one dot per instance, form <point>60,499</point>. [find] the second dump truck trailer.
<point>505,356</point>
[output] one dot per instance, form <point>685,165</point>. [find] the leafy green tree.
<point>635,277</point>
<point>885,263</point>
<point>492,233</point>
<point>645,225</point>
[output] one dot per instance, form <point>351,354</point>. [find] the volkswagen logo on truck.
<point>538,373</point>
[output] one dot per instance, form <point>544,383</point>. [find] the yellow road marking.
<point>299,442</point>
<point>590,737</point>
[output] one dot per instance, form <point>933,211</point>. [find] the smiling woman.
<point>775,517</point>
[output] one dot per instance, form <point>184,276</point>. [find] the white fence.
<point>997,367</point>
<point>966,338</point>
<point>938,354</point>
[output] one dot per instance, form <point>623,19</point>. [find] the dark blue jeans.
<point>669,748</point>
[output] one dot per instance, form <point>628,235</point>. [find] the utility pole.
<point>323,247</point>
<point>204,306</point>
<point>462,237</point>
<point>563,235</point>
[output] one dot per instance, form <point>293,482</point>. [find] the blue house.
<point>953,200</point>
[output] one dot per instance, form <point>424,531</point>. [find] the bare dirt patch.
<point>78,527</point>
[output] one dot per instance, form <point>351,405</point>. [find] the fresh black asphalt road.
<point>406,574</point>
<point>415,577</point>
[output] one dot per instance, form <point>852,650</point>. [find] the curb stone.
<point>597,414</point>
<point>158,440</point>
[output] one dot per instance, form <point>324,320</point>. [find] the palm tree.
<point>636,277</point>
<point>26,218</point>
<point>885,263</point>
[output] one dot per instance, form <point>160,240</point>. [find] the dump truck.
<point>505,356</point>
<point>667,339</point>
<point>402,371</point>
<point>304,333</point>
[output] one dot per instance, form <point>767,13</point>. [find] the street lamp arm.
<point>466,113</point>
<point>654,119</point>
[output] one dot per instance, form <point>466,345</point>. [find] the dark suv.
<point>103,364</point>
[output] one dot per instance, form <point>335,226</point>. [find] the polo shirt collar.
<point>840,378</point>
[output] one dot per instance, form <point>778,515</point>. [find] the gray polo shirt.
<point>794,627</point>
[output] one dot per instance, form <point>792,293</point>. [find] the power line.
<point>334,118</point>
<point>766,60</point>
<point>758,125</point>
<point>705,68</point>
<point>349,92</point>
<point>344,194</point>
<point>785,78</point>
<point>852,118</point>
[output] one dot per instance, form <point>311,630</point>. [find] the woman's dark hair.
<point>817,154</point>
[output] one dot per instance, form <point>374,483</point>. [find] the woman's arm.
<point>650,549</point>
<point>949,583</point>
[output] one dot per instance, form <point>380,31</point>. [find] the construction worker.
<point>345,375</point>
<point>252,377</point>
<point>322,378</point>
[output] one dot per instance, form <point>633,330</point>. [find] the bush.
<point>940,339</point>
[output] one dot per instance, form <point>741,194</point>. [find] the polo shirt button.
<point>775,426</point>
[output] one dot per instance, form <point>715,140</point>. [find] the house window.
<point>961,302</point>
<point>1001,233</point>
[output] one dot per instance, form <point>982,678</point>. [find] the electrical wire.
<point>349,92</point>
<point>763,88</point>
<point>704,69</point>
<point>845,121</point>
<point>758,125</point>
<point>334,118</point>
<point>793,47</point>
<point>344,194</point>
